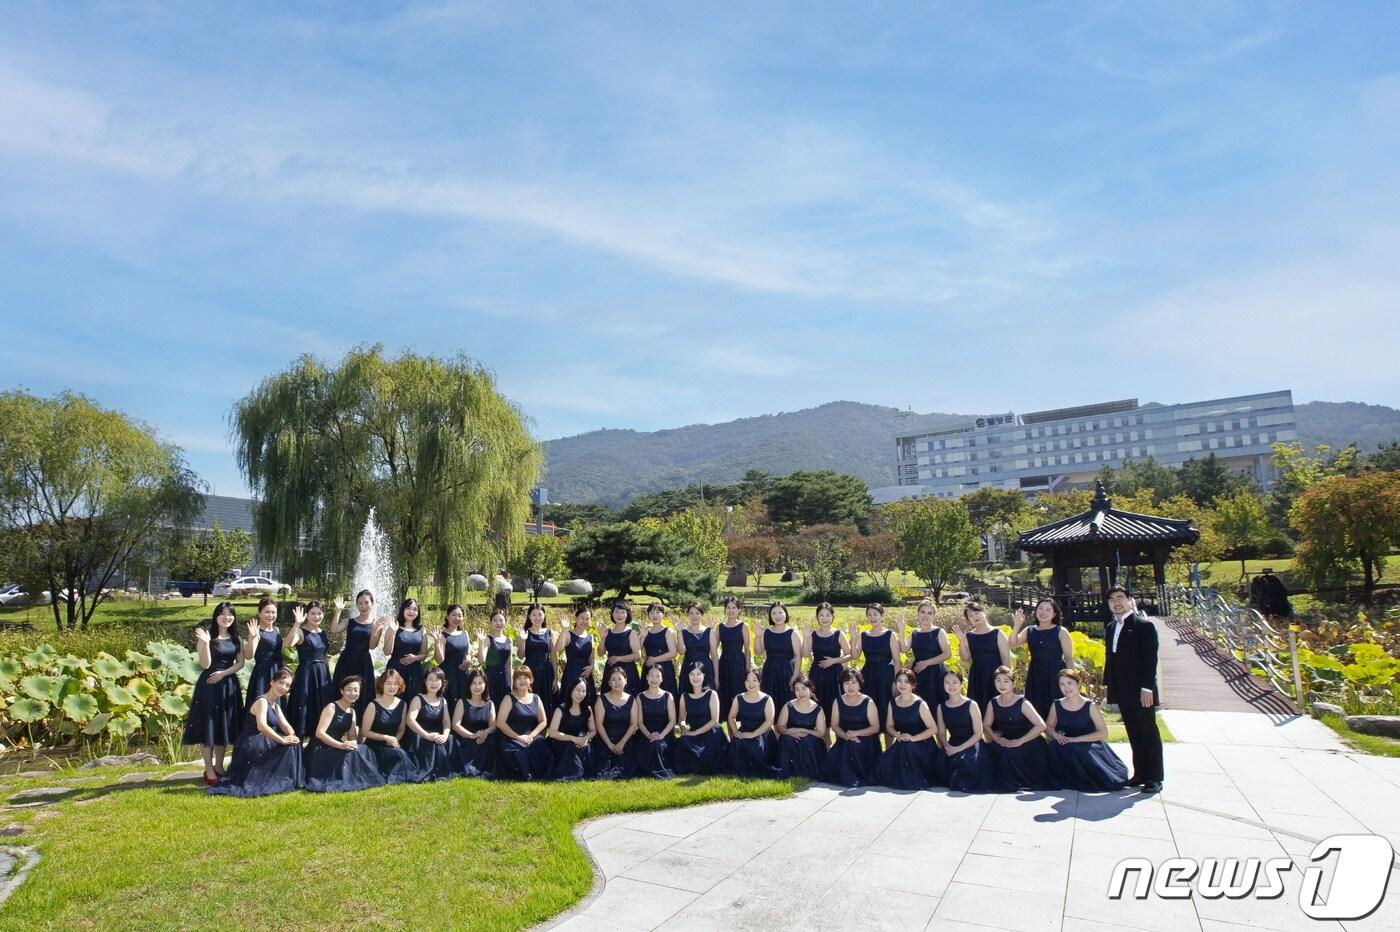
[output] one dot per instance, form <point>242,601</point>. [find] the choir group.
<point>528,708</point>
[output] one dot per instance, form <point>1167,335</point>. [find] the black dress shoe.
<point>1136,781</point>
<point>1150,787</point>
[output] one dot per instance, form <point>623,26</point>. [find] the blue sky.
<point>648,215</point>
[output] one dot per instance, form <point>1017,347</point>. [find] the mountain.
<point>615,466</point>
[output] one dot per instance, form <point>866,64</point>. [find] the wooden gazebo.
<point>1112,541</point>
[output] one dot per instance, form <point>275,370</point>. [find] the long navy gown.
<point>986,657</point>
<point>733,664</point>
<point>539,657</point>
<point>497,667</point>
<point>455,647</point>
<point>578,664</point>
<point>521,761</point>
<point>805,755</point>
<point>879,669</point>
<point>216,711</point>
<point>706,753</point>
<point>753,757</point>
<point>267,660</point>
<point>616,720</point>
<point>968,771</point>
<point>394,764</point>
<point>472,758</point>
<point>572,762</point>
<point>697,650</point>
<point>432,761</point>
<point>311,685</point>
<point>333,770</point>
<point>619,644</point>
<point>929,681</point>
<point>408,641</point>
<point>1043,676</point>
<point>654,645</point>
<point>1089,768</point>
<point>826,681</point>
<point>355,660</point>
<point>908,765</point>
<point>654,757</point>
<point>1020,768</point>
<point>260,765</point>
<point>854,763</point>
<point>779,666</point>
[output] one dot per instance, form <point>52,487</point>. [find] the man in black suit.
<point>1130,673</point>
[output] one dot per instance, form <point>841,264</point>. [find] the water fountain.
<point>374,571</point>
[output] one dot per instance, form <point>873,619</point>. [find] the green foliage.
<point>430,444</point>
<point>541,557</point>
<point>825,555</point>
<point>805,498</point>
<point>1242,523</point>
<point>1344,522</point>
<point>700,529</point>
<point>1385,459</point>
<point>1135,477</point>
<point>755,555</point>
<point>573,516</point>
<point>876,555</point>
<point>1204,481</point>
<point>936,540</point>
<point>634,559</point>
<point>995,511</point>
<point>202,557</point>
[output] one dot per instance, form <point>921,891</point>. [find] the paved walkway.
<point>1197,675</point>
<point>1239,784</point>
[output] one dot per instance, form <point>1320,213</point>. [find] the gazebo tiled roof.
<point>1103,523</point>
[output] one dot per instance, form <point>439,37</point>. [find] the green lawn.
<point>459,854</point>
<point>1367,744</point>
<point>1117,733</point>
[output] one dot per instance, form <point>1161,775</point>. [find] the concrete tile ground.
<point>1238,785</point>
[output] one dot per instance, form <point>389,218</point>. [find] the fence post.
<point>1297,671</point>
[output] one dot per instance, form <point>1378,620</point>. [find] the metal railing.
<point>1246,634</point>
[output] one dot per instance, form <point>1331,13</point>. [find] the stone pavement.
<point>1238,785</point>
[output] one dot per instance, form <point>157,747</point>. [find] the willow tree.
<point>430,444</point>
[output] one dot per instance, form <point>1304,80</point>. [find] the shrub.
<point>849,595</point>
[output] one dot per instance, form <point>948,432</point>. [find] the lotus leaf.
<point>173,704</point>
<point>28,710</point>
<point>80,707</point>
<point>143,691</point>
<point>118,697</point>
<point>10,667</point>
<point>41,656</point>
<point>48,688</point>
<point>109,667</point>
<point>124,725</point>
<point>97,724</point>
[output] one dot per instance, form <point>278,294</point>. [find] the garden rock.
<point>476,582</point>
<point>42,793</point>
<point>11,830</point>
<point>139,777</point>
<point>121,760</point>
<point>1387,726</point>
<point>577,587</point>
<point>1326,708</point>
<point>503,585</point>
<point>548,590</point>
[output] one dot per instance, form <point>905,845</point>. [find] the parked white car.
<point>13,594</point>
<point>245,586</point>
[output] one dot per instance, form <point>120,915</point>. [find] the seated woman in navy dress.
<point>852,760</point>
<point>1080,758</point>
<point>216,708</point>
<point>383,727</point>
<point>336,761</point>
<point>263,646</point>
<point>1020,758</point>
<point>656,727</point>
<point>571,731</point>
<point>312,690</point>
<point>525,752</point>
<point>966,768</point>
<point>702,747</point>
<point>623,647</point>
<point>615,714</point>
<point>802,734</point>
<point>753,748</point>
<point>911,752</point>
<point>700,643</point>
<point>660,647</point>
<point>429,722</point>
<point>474,728</point>
<point>267,757</point>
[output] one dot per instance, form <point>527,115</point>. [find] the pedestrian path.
<point>1238,785</point>
<point>1195,674</point>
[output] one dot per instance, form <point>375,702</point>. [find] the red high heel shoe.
<point>208,780</point>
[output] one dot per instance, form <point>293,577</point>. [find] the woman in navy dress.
<point>881,648</point>
<point>782,656</point>
<point>1080,758</point>
<point>983,649</point>
<point>216,707</point>
<point>829,649</point>
<point>267,757</point>
<point>571,731</point>
<point>536,645</point>
<point>474,729</point>
<point>753,749</point>
<point>615,715</point>
<point>1051,649</point>
<point>263,646</point>
<point>494,652</point>
<point>735,653</point>
<point>525,753</point>
<point>622,647</point>
<point>452,650</point>
<point>852,758</point>
<point>660,647</point>
<point>1020,758</point>
<point>931,650</point>
<point>700,643</point>
<point>335,760</point>
<point>966,768</point>
<point>408,645</point>
<point>362,635</point>
<point>311,690</point>
<point>912,749</point>
<point>430,724</point>
<point>802,734</point>
<point>383,725</point>
<point>577,646</point>
<point>702,747</point>
<point>656,727</point>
